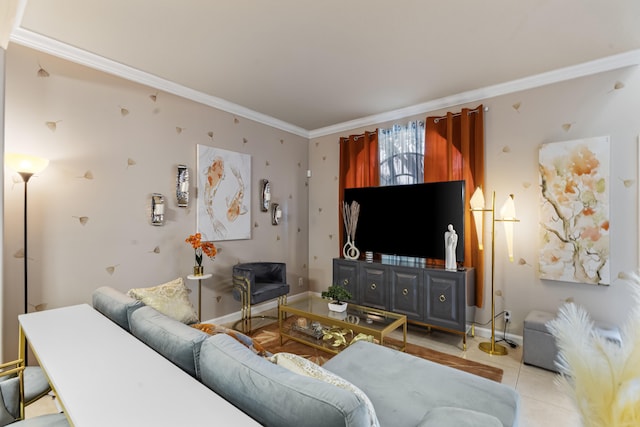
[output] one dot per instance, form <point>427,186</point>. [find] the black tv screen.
<point>409,220</point>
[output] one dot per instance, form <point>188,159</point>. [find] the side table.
<point>199,278</point>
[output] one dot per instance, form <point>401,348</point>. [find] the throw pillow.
<point>302,366</point>
<point>247,341</point>
<point>171,299</point>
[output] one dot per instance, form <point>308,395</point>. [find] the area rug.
<point>269,337</point>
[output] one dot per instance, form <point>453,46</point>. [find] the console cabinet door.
<point>373,285</point>
<point>405,292</point>
<point>345,273</point>
<point>445,299</point>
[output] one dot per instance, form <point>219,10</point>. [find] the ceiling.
<point>312,66</point>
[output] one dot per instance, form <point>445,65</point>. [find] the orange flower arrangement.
<point>206,248</point>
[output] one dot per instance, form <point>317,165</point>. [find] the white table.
<point>104,376</point>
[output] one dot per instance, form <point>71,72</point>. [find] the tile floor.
<point>542,404</point>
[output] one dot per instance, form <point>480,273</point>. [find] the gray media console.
<point>429,296</point>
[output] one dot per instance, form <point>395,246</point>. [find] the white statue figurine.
<point>450,244</point>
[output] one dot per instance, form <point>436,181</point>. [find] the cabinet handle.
<point>345,282</point>
<point>442,298</point>
<point>405,291</point>
<point>373,286</point>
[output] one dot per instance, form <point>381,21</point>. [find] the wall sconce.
<point>157,209</point>
<point>276,214</point>
<point>265,195</point>
<point>508,213</point>
<point>182,186</point>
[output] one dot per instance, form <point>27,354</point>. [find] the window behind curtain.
<point>401,151</point>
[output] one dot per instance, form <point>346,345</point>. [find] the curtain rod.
<point>437,119</point>
<point>356,137</point>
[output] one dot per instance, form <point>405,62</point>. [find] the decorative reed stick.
<point>350,217</point>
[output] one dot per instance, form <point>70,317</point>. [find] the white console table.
<point>104,376</point>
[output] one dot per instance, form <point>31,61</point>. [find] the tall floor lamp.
<point>508,213</point>
<point>26,166</point>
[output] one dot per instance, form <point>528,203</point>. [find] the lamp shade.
<point>23,163</point>
<point>477,207</point>
<point>508,213</point>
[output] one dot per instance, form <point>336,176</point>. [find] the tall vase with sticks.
<point>350,216</point>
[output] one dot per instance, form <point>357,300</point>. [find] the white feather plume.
<point>601,376</point>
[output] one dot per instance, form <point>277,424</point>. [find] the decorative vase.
<point>198,270</point>
<point>338,307</point>
<point>349,249</point>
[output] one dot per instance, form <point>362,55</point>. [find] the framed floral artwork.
<point>224,194</point>
<point>574,211</point>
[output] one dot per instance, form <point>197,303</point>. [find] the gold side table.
<point>199,278</point>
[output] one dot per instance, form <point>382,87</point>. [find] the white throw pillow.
<point>302,366</point>
<point>171,299</point>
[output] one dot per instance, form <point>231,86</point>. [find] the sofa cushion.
<point>403,388</point>
<point>303,366</point>
<point>176,341</point>
<point>272,395</point>
<point>171,298</point>
<point>115,305</point>
<point>447,416</point>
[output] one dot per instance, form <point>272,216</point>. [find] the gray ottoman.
<point>539,346</point>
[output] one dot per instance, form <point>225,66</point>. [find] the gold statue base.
<point>496,349</point>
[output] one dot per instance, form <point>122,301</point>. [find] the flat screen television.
<point>409,220</point>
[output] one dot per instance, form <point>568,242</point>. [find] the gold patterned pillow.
<point>171,299</point>
<point>302,366</point>
<point>247,341</point>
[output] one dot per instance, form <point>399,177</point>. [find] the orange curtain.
<point>454,150</point>
<point>359,167</point>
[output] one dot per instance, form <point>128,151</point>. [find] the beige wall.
<point>128,157</point>
<point>68,260</point>
<point>516,125</point>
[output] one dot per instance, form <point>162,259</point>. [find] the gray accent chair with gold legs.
<point>12,399</point>
<point>255,283</point>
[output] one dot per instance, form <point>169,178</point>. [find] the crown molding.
<point>53,47</point>
<point>614,62</point>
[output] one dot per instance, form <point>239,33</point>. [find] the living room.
<point>113,142</point>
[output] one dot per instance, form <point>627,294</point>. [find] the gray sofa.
<point>404,390</point>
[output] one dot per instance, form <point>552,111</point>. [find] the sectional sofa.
<point>365,385</point>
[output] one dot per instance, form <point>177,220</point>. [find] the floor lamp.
<point>508,213</point>
<point>26,166</point>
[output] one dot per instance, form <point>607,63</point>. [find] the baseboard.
<point>486,333</point>
<point>255,310</point>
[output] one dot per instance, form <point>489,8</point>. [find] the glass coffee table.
<point>309,321</point>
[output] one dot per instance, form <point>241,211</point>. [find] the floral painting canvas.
<point>574,216</point>
<point>224,192</point>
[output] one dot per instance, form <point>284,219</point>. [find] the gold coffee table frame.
<point>357,318</point>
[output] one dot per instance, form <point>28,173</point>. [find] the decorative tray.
<point>316,333</point>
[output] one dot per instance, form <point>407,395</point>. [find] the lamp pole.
<point>26,166</point>
<point>478,198</point>
<point>25,177</point>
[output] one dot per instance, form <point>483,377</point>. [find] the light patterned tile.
<point>540,385</point>
<point>537,413</point>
